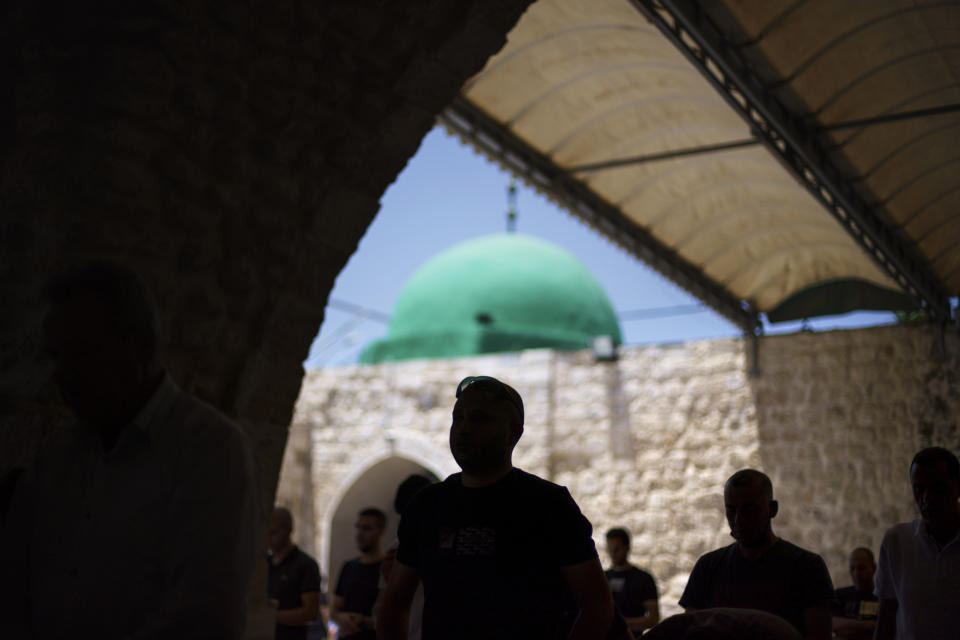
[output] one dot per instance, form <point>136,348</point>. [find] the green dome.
<point>501,292</point>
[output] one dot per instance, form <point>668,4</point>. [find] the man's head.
<point>935,477</point>
<point>370,525</point>
<point>101,331</point>
<point>749,503</point>
<point>862,568</point>
<point>487,424</point>
<point>618,546</point>
<point>281,526</point>
<point>410,487</point>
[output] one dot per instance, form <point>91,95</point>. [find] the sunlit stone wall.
<point>646,442</point>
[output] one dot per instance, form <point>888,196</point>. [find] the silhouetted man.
<point>294,579</point>
<point>855,607</point>
<point>141,521</point>
<point>499,550</point>
<point>634,590</point>
<point>759,570</point>
<point>359,582</point>
<point>918,577</point>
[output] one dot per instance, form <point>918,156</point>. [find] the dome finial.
<point>512,206</point>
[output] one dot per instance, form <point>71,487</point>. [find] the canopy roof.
<point>749,150</point>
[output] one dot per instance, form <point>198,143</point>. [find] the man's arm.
<point>394,617</point>
<point>304,614</point>
<point>649,619</point>
<point>694,594</point>
<point>886,620</point>
<point>591,592</point>
<point>347,621</point>
<point>309,587</point>
<point>816,620</point>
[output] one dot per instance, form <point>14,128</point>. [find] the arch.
<point>372,481</point>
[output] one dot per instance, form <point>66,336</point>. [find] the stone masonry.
<point>233,152</point>
<point>646,442</point>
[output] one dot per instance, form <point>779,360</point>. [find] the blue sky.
<point>448,194</point>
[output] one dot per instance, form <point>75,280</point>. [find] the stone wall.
<point>840,416</point>
<point>646,442</point>
<point>233,152</point>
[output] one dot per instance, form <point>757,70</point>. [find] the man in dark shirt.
<point>359,582</point>
<point>499,551</point>
<point>294,579</point>
<point>760,570</point>
<point>855,607</point>
<point>634,591</point>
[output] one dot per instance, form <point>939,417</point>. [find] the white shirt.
<point>155,539</point>
<point>924,579</point>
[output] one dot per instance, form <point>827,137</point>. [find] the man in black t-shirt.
<point>760,570</point>
<point>499,551</point>
<point>634,591</point>
<point>359,582</point>
<point>293,580</point>
<point>855,607</point>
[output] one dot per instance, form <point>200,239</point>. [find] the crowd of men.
<point>140,523</point>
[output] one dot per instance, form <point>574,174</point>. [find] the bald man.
<point>855,607</point>
<point>760,570</point>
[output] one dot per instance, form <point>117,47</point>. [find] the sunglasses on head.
<point>494,386</point>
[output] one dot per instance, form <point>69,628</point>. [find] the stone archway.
<point>233,154</point>
<point>374,486</point>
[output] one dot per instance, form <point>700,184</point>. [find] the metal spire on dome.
<point>512,206</point>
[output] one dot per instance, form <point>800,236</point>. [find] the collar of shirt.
<point>920,531</point>
<point>148,421</point>
<point>294,551</point>
<point>151,416</point>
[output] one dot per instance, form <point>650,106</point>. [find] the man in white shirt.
<point>918,577</point>
<point>141,520</point>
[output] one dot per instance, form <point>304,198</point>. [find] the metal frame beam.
<point>891,117</point>
<point>685,24</point>
<point>666,155</point>
<point>492,138</point>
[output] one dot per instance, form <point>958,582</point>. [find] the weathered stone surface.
<point>834,418</point>
<point>234,153</point>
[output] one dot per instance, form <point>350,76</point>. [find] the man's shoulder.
<point>304,559</point>
<point>200,416</point>
<point>637,572</point>
<point>192,427</point>
<point>902,530</point>
<point>788,549</point>
<point>717,555</point>
<point>533,485</point>
<point>517,481</point>
<point>437,491</point>
<point>637,576</point>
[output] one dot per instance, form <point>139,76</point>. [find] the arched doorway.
<point>374,487</point>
